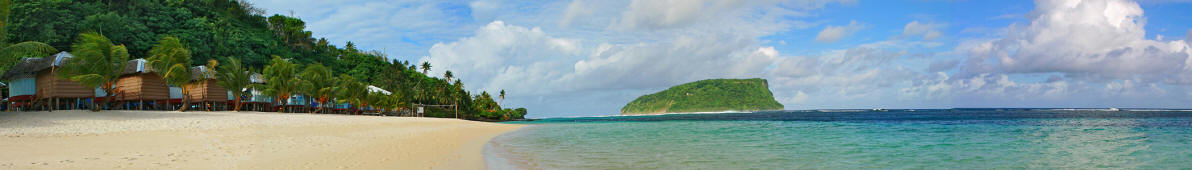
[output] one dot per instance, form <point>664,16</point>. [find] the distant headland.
<point>712,95</point>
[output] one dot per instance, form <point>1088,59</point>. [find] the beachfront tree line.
<point>179,34</point>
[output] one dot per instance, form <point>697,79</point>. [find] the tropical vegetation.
<point>234,77</point>
<point>237,33</point>
<point>10,54</point>
<point>172,61</point>
<point>97,63</point>
<point>318,83</point>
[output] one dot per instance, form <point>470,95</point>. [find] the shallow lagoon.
<point>951,139</point>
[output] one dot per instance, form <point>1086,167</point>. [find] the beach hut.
<point>49,90</point>
<point>258,101</point>
<point>342,108</point>
<point>22,83</point>
<point>204,91</point>
<point>140,86</point>
<point>296,103</point>
<point>56,90</point>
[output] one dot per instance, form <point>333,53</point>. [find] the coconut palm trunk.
<point>237,103</point>
<point>185,100</point>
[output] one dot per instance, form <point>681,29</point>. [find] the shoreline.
<point>76,139</point>
<point>498,156</point>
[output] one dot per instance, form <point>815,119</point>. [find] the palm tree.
<point>172,60</point>
<point>97,63</point>
<point>425,67</point>
<point>234,77</point>
<point>459,86</point>
<point>374,99</point>
<point>448,75</point>
<point>502,96</point>
<point>351,91</point>
<point>318,83</point>
<point>279,79</point>
<point>397,101</point>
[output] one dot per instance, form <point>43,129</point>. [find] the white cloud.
<point>1093,54</point>
<point>832,34</point>
<point>928,31</point>
<point>1089,40</point>
<point>528,60</point>
<point>847,78</point>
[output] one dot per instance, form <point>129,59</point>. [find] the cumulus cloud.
<point>841,78</point>
<point>1090,40</point>
<point>642,46</point>
<point>528,60</point>
<point>1091,53</point>
<point>832,34</point>
<point>508,56</point>
<point>928,31</point>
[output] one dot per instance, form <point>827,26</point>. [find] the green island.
<point>712,95</point>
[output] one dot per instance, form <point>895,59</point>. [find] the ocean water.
<point>897,139</point>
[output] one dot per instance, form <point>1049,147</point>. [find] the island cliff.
<point>712,95</point>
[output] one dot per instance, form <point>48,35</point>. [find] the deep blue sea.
<point>856,139</point>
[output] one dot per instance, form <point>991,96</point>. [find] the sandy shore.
<point>238,140</point>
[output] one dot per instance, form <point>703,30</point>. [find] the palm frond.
<point>11,54</point>
<point>96,61</point>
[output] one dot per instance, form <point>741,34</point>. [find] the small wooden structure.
<point>258,101</point>
<point>204,91</point>
<point>49,91</point>
<point>140,86</point>
<point>22,84</point>
<point>296,103</point>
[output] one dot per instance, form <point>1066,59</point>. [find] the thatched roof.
<point>30,66</point>
<point>22,68</point>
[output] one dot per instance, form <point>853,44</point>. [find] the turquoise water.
<point>936,139</point>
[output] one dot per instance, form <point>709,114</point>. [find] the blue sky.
<point>590,57</point>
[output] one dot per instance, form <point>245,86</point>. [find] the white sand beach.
<point>238,140</point>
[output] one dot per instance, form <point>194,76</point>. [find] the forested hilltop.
<point>711,95</point>
<point>223,30</point>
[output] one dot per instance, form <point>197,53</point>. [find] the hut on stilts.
<point>258,101</point>
<point>22,84</point>
<point>49,92</point>
<point>141,88</point>
<point>204,91</point>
